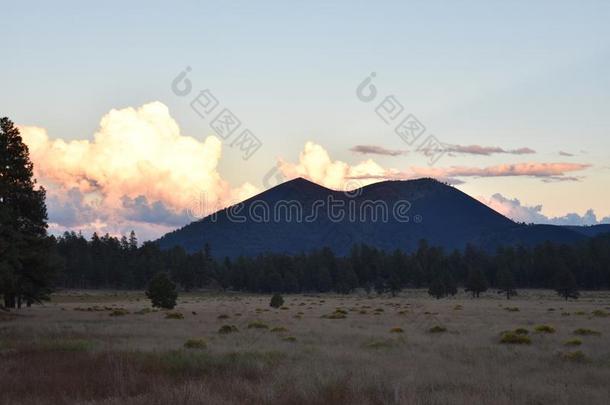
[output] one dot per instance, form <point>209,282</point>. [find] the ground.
<point>100,347</point>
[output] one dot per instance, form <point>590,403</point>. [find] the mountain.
<point>299,216</point>
<point>590,230</point>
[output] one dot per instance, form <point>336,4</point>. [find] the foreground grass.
<point>381,350</point>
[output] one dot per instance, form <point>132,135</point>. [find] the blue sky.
<point>491,73</point>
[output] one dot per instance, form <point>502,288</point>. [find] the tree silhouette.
<point>27,263</point>
<point>162,292</point>
<point>565,284</point>
<point>506,282</point>
<point>476,282</point>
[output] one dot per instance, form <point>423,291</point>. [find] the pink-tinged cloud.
<point>137,169</point>
<point>486,150</point>
<point>316,164</point>
<point>377,150</point>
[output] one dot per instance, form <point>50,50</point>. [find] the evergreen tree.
<point>162,292</point>
<point>565,284</point>
<point>506,282</point>
<point>27,265</point>
<point>437,288</point>
<point>476,282</point>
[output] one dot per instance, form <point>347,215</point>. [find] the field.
<point>111,348</point>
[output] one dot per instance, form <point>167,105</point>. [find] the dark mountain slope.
<point>299,216</point>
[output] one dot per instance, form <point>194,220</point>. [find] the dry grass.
<point>57,355</point>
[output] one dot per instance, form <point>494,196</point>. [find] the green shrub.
<point>437,329</point>
<point>511,309</point>
<point>257,325</point>
<point>289,339</point>
<point>599,312</point>
<point>577,356</point>
<point>586,332</point>
<point>458,307</point>
<point>276,301</point>
<point>279,329</point>
<point>162,292</point>
<point>544,329</point>
<point>174,315</point>
<point>521,331</point>
<point>195,344</point>
<point>396,330</point>
<point>573,342</point>
<point>515,339</point>
<point>119,312</point>
<point>334,315</point>
<point>223,316</point>
<point>226,329</point>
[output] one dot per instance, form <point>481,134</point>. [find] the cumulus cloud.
<point>485,150</point>
<point>316,164</point>
<point>377,150</point>
<point>513,209</point>
<point>138,169</point>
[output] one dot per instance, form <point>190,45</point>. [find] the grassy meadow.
<point>102,347</point>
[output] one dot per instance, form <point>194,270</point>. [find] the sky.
<point>514,98</point>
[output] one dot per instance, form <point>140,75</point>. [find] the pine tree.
<point>162,292</point>
<point>27,264</point>
<point>476,282</point>
<point>437,288</point>
<point>506,282</point>
<point>565,284</point>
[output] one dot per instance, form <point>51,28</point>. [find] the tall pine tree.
<point>26,261</point>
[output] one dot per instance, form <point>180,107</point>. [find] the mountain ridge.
<point>393,214</point>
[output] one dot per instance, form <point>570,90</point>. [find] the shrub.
<point>544,329</point>
<point>276,301</point>
<point>577,356</point>
<point>289,339</point>
<point>512,309</point>
<point>521,331</point>
<point>334,315</point>
<point>586,332</point>
<point>458,307</point>
<point>195,344</point>
<point>162,292</point>
<point>580,313</point>
<point>515,339</point>
<point>279,329</point>
<point>257,325</point>
<point>437,329</point>
<point>600,313</point>
<point>396,330</point>
<point>222,316</point>
<point>573,342</point>
<point>174,315</point>
<point>226,329</point>
<point>119,312</point>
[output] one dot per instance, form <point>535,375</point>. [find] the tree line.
<point>110,262</point>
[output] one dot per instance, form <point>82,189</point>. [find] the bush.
<point>396,330</point>
<point>276,301</point>
<point>195,344</point>
<point>521,331</point>
<point>162,292</point>
<point>119,312</point>
<point>289,339</point>
<point>257,325</point>
<point>437,329</point>
<point>577,356</point>
<point>544,329</point>
<point>586,332</point>
<point>573,342</point>
<point>226,329</point>
<point>279,329</point>
<point>223,316</point>
<point>512,309</point>
<point>600,312</point>
<point>174,315</point>
<point>515,339</point>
